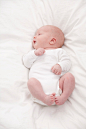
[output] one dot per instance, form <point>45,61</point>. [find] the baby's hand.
<point>39,51</point>
<point>56,69</point>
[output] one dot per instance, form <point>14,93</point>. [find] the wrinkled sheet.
<point>19,20</point>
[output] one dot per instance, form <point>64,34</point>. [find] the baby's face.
<point>41,38</point>
<point>48,37</point>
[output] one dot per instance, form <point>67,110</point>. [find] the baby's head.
<point>48,37</point>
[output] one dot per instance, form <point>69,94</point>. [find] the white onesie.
<point>40,68</point>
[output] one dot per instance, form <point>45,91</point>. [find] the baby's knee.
<point>70,77</point>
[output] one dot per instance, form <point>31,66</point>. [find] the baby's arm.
<point>30,58</point>
<point>63,65</point>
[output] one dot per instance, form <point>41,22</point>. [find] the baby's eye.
<point>39,34</point>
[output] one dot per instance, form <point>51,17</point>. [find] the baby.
<point>49,82</point>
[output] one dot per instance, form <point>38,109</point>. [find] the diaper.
<point>58,93</point>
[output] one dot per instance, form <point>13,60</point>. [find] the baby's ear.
<point>53,40</point>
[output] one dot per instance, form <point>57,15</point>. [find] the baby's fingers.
<point>41,52</point>
<point>58,73</point>
<point>53,69</point>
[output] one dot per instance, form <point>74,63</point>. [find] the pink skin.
<point>48,37</point>
<point>36,90</point>
<point>44,39</point>
<point>66,84</point>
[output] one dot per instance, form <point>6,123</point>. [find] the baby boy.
<point>49,81</point>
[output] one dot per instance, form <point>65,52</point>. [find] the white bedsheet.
<point>19,19</point>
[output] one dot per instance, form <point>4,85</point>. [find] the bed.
<point>19,20</point>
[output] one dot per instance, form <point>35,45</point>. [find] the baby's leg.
<point>66,84</point>
<point>36,90</point>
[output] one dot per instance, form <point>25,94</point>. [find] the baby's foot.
<point>49,99</point>
<point>59,100</point>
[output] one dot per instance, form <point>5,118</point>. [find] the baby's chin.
<point>36,47</point>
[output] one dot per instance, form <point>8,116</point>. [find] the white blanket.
<point>19,20</point>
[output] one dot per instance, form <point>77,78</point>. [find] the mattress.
<point>19,20</point>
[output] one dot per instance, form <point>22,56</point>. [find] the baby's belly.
<point>41,70</point>
<point>49,81</point>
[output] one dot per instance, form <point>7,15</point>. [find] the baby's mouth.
<point>34,41</point>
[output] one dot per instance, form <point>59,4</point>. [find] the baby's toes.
<point>56,100</point>
<point>52,98</point>
<point>53,94</point>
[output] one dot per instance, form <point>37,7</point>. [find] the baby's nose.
<point>34,37</point>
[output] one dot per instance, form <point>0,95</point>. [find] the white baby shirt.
<point>40,68</point>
